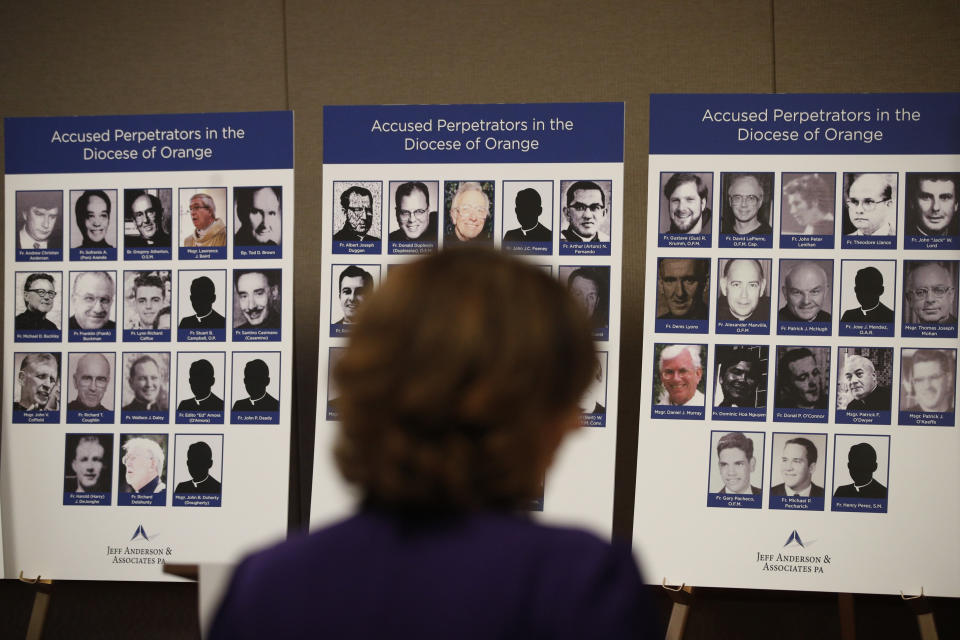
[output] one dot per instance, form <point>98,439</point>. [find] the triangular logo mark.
<point>794,537</point>
<point>142,533</point>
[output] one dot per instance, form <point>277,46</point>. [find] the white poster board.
<point>148,289</point>
<point>799,384</point>
<point>514,155</point>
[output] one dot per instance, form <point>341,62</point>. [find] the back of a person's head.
<point>461,372</point>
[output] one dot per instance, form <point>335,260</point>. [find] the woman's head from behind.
<point>462,375</point>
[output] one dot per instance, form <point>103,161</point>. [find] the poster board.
<point>500,158</point>
<point>147,341</point>
<point>801,277</point>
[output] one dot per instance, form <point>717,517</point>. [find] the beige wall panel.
<point>852,46</point>
<point>442,52</point>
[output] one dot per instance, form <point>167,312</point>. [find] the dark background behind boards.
<point>111,57</point>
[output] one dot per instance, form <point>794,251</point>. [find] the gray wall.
<point>106,57</point>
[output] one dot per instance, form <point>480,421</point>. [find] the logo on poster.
<point>142,553</point>
<point>786,562</point>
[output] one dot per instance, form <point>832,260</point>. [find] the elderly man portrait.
<point>681,284</point>
<point>90,464</point>
<point>355,284</point>
<point>746,210</point>
<point>416,220</point>
<point>149,293</point>
<point>38,219</point>
<point>470,216</point>
<point>736,462</point>
<point>356,204</point>
<point>199,463</point>
<point>809,200</point>
<point>203,293</point>
<point>743,292</point>
<point>862,464</point>
<point>143,465</point>
<point>931,292</point>
<point>256,379</point>
<point>201,378</point>
<point>258,294</point>
<point>680,368</point>
<point>260,214</point>
<point>146,211</point>
<point>932,204</point>
<point>688,203</point>
<point>585,212</point>
<point>39,293</point>
<point>798,462</point>
<point>929,375</point>
<point>208,229</point>
<point>39,377</point>
<point>871,204</point>
<point>91,301</point>
<point>806,291</point>
<point>92,211</point>
<point>528,206</point>
<point>868,287</point>
<point>858,375</point>
<point>740,374</point>
<point>91,380</point>
<point>800,379</point>
<point>147,381</point>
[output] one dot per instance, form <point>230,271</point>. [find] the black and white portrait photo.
<point>933,220</point>
<point>39,230</point>
<point>740,381</point>
<point>357,216</point>
<point>38,306</point>
<point>257,222</point>
<point>91,382</point>
<point>147,299</point>
<point>590,287</point>
<point>147,223</point>
<point>585,222</point>
<point>143,469</point>
<point>36,387</point>
<point>808,205</point>
<point>92,308</point>
<point>88,468</point>
<point>413,219</point>
<point>864,383</point>
<point>256,302</point>
<point>93,228</point>
<point>798,471</point>
<point>145,394</point>
<point>746,209</point>
<point>869,210</point>
<point>928,386</point>
<point>350,285</point>
<point>736,469</point>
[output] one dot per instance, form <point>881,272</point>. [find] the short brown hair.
<point>456,371</point>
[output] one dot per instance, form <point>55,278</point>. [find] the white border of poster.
<point>579,488</point>
<point>871,515</point>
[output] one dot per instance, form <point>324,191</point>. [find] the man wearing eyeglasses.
<point>146,211</point>
<point>585,212</point>
<point>415,220</point>
<point>930,290</point>
<point>357,206</point>
<point>209,230</point>
<point>92,301</point>
<point>930,380</point>
<point>39,292</point>
<point>91,379</point>
<point>871,204</point>
<point>745,201</point>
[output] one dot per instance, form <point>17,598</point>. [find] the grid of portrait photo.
<point>147,325</point>
<point>801,320</point>
<point>563,224</point>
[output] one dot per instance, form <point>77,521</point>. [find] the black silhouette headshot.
<point>203,293</point>
<point>861,463</point>
<point>256,377</point>
<point>199,463</point>
<point>868,287</point>
<point>528,207</point>
<point>201,384</point>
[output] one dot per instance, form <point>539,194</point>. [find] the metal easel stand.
<point>682,597</point>
<point>41,602</point>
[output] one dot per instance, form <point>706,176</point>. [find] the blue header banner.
<point>163,142</point>
<point>474,133</point>
<point>805,123</point>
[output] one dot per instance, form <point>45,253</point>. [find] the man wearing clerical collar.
<point>203,293</point>
<point>586,211</point>
<point>861,463</point>
<point>256,377</point>
<point>147,384</point>
<point>39,292</point>
<point>91,380</point>
<point>143,461</point>
<point>201,384</point>
<point>199,463</point>
<point>209,230</point>
<point>868,288</point>
<point>871,204</point>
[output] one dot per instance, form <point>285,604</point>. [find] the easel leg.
<point>682,597</point>
<point>921,608</point>
<point>848,626</point>
<point>41,602</point>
